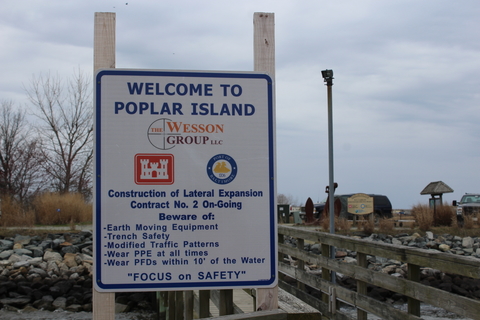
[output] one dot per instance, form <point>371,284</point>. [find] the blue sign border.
<point>98,181</point>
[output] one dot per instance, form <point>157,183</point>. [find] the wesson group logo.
<point>165,134</point>
<point>154,169</point>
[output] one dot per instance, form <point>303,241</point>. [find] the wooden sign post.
<point>264,60</point>
<point>104,57</point>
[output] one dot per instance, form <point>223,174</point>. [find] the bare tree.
<point>21,173</point>
<point>287,199</point>
<point>65,111</point>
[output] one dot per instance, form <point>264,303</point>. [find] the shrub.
<point>423,216</point>
<point>443,215</point>
<point>54,208</point>
<point>367,224</point>
<point>13,214</point>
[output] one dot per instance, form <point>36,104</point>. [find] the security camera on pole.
<point>328,78</point>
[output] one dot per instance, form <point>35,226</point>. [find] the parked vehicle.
<point>381,205</point>
<point>468,205</point>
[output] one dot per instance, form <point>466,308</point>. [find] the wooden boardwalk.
<point>245,303</point>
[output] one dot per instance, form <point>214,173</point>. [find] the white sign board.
<point>184,190</point>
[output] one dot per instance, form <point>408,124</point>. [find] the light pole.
<point>328,78</point>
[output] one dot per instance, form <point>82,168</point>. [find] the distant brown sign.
<point>360,204</point>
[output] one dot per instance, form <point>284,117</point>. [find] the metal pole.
<point>331,187</point>
<point>328,76</point>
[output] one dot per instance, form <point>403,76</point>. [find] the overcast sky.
<point>406,94</point>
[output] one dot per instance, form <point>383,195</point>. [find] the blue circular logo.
<point>222,169</point>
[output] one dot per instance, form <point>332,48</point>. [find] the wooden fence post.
<point>104,57</point>
<point>264,61</point>
<point>171,305</point>
<point>204,303</point>
<point>179,305</point>
<point>188,296</point>
<point>226,302</point>
<point>413,274</point>
<point>361,286</point>
<point>300,263</point>
<point>325,271</point>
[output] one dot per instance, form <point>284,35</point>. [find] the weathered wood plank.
<point>259,315</point>
<point>295,307</point>
<point>103,305</point>
<point>104,41</point>
<point>215,297</point>
<point>314,302</point>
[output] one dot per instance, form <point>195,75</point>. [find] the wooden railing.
<point>410,287</point>
<point>187,305</point>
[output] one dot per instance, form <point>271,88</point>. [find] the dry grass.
<point>54,209</point>
<point>386,226</point>
<point>341,224</point>
<point>468,222</point>
<point>426,218</point>
<point>13,214</point>
<point>366,224</point>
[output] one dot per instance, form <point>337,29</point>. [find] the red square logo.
<point>154,169</point>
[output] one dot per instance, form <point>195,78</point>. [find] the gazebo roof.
<point>437,187</point>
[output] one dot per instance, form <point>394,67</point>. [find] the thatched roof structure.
<point>436,188</point>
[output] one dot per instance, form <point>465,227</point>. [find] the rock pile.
<point>449,244</point>
<point>54,273</point>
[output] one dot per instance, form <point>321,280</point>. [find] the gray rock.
<point>74,308</point>
<point>396,241</point>
<point>60,303</point>
<point>36,262</point>
<point>467,242</point>
<point>23,240</point>
<point>42,273</point>
<point>350,260</point>
<point>52,256</point>
<point>52,268</point>
<point>19,264</point>
<point>5,254</point>
<point>36,251</point>
<point>22,252</point>
<point>18,302</point>
<point>444,247</point>
<point>119,308</point>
